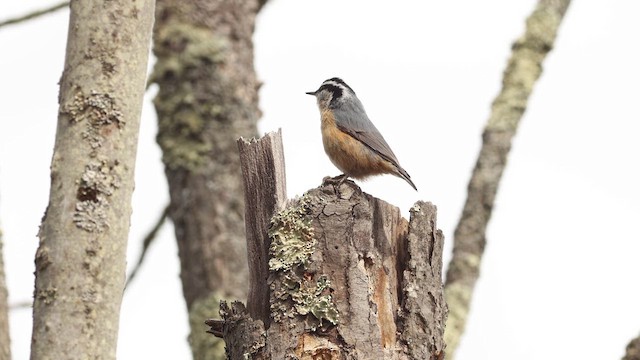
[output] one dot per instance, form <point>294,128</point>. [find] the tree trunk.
<point>80,262</point>
<point>265,194</point>
<point>633,350</point>
<point>5,341</point>
<point>208,97</point>
<point>347,278</point>
<point>523,70</point>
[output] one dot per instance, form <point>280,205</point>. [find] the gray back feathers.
<point>352,119</point>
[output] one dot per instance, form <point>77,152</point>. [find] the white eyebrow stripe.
<point>346,90</point>
<point>334,84</point>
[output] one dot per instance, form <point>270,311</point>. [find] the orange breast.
<point>350,155</point>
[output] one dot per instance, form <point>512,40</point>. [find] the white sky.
<point>560,273</point>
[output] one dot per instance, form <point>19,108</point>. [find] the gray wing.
<point>352,119</point>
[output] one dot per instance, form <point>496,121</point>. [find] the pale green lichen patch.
<point>97,183</point>
<point>291,234</point>
<point>316,300</point>
<point>542,26</point>
<point>458,297</point>
<point>196,45</point>
<point>523,69</point>
<point>185,104</point>
<point>296,291</point>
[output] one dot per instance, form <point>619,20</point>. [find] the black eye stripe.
<point>341,82</point>
<point>335,91</point>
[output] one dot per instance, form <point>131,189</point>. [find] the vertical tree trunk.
<point>80,262</point>
<point>207,98</point>
<point>523,70</point>
<point>5,341</point>
<point>265,194</point>
<point>347,277</point>
<point>633,350</point>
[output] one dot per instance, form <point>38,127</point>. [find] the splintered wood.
<point>341,276</point>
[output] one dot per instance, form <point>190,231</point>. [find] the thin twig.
<point>34,14</point>
<point>146,243</point>
<point>23,304</point>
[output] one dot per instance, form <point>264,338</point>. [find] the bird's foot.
<point>337,182</point>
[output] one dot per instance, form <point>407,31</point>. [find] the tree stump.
<point>345,277</point>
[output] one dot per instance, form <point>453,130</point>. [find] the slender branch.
<point>34,14</point>
<point>146,243</point>
<point>23,304</point>
<point>523,70</point>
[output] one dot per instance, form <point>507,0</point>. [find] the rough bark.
<point>5,341</point>
<point>523,70</point>
<point>80,262</point>
<point>265,190</point>
<point>633,350</point>
<point>348,278</point>
<point>208,97</point>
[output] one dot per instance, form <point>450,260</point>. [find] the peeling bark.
<point>265,190</point>
<point>523,70</point>
<point>80,262</point>
<point>348,278</point>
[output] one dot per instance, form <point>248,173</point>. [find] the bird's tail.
<point>402,173</point>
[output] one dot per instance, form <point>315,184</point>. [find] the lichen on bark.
<point>81,258</point>
<point>98,111</point>
<point>96,185</point>
<point>291,235</point>
<point>185,110</point>
<point>296,290</point>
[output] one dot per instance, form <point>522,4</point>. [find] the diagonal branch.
<point>34,14</point>
<point>523,70</point>
<point>146,243</point>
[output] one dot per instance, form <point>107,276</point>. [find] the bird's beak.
<point>311,93</point>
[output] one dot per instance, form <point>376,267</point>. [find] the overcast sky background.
<point>560,274</point>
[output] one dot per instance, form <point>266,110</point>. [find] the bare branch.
<point>146,243</point>
<point>34,14</point>
<point>523,70</point>
<point>23,304</point>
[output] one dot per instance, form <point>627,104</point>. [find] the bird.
<point>350,139</point>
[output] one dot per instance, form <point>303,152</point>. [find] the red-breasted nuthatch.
<point>350,139</point>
